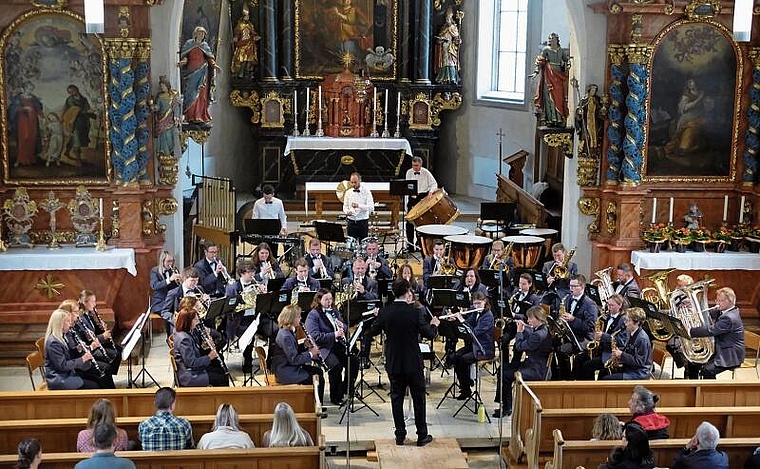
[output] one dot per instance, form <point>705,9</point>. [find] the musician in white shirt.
<point>426,185</point>
<point>270,207</point>
<point>357,205</point>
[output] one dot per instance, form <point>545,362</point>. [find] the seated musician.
<point>559,285</point>
<point>495,261</point>
<point>364,287</point>
<point>626,285</point>
<point>188,287</point>
<point>198,362</point>
<point>377,266</point>
<point>611,323</point>
<point>418,290</point>
<point>212,271</point>
<point>302,280</point>
<point>90,319</point>
<point>326,327</point>
<point>632,355</point>
<point>481,324</point>
<point>470,283</point>
<point>580,315</point>
<point>524,295</point>
<point>75,339</point>
<point>238,321</point>
<point>163,278</point>
<point>432,265</point>
<point>61,368</point>
<point>533,340</point>
<point>290,365</point>
<point>264,266</point>
<point>728,331</point>
<point>681,360</point>
<point>320,266</point>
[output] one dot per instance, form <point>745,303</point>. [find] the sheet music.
<point>424,347</point>
<point>136,326</point>
<point>249,334</point>
<point>134,335</point>
<point>356,336</point>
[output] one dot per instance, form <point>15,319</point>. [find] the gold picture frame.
<point>420,113</point>
<point>272,111</point>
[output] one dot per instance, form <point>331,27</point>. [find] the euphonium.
<point>687,305</point>
<point>604,284</point>
<point>561,270</point>
<point>447,267</point>
<point>659,295</point>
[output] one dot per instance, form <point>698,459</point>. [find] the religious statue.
<point>588,122</point>
<point>199,70</point>
<point>246,56</point>
<point>167,109</point>
<point>447,51</point>
<point>551,73</point>
<point>693,217</point>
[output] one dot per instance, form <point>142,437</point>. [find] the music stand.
<point>305,299</point>
<point>325,283</point>
<point>403,188</point>
<point>502,212</point>
<point>218,308</point>
<point>450,298</point>
<point>271,303</point>
<point>262,226</point>
<point>330,232</point>
<point>354,394</point>
<point>130,340</point>
<point>446,282</point>
<point>592,291</point>
<point>275,284</point>
<point>453,330</point>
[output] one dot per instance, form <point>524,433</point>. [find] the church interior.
<point>626,130</point>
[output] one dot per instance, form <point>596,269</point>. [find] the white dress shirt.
<point>363,198</point>
<point>425,180</point>
<point>273,211</point>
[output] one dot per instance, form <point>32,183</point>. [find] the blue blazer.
<point>428,265</point>
<point>191,364</point>
<point>728,331</point>
<point>321,330</point>
<point>482,325</point>
<point>60,367</point>
<point>292,282</point>
<point>325,260</point>
<point>585,313</point>
<point>384,271</point>
<point>637,354</point>
<point>160,289</point>
<point>285,359</point>
<point>370,288</point>
<point>701,459</point>
<point>479,288</point>
<point>211,283</point>
<point>537,345</point>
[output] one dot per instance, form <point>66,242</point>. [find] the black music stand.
<point>326,283</point>
<point>403,188</point>
<point>502,212</point>
<point>270,305</point>
<point>275,284</point>
<point>445,282</point>
<point>592,291</point>
<point>451,330</point>
<point>330,232</point>
<point>305,298</point>
<point>354,395</point>
<point>135,335</point>
<point>262,226</point>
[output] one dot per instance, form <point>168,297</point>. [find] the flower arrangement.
<point>754,232</point>
<point>656,233</point>
<point>723,234</point>
<point>700,234</point>
<point>681,236</point>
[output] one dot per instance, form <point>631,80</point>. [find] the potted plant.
<point>700,238</point>
<point>753,239</point>
<point>656,236</point>
<point>680,239</point>
<point>737,234</point>
<point>721,238</point>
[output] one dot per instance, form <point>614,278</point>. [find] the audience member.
<point>635,452</point>
<point>102,411</point>
<point>163,431</point>
<point>606,427</point>
<point>104,458</point>
<point>29,454</point>
<point>226,432</point>
<point>700,451</point>
<point>285,429</point>
<point>753,462</point>
<point>642,404</point>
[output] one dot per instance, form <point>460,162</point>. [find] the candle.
<point>398,104</point>
<point>308,105</point>
<point>319,100</point>
<point>670,213</point>
<point>725,208</point>
<point>374,107</point>
<point>654,210</point>
<point>386,102</point>
<point>741,211</point>
<point>295,106</point>
<point>100,212</point>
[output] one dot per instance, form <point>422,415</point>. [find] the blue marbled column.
<point>286,39</point>
<point>422,22</point>
<point>122,112</point>
<point>615,114</point>
<point>269,41</point>
<point>751,138</point>
<point>142,113</point>
<point>635,119</point>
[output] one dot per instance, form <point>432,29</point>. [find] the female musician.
<point>74,340</point>
<point>417,288</point>
<point>480,323</point>
<point>471,282</point>
<point>163,278</point>
<point>325,325</point>
<point>533,339</point>
<point>633,351</point>
<point>238,321</point>
<point>290,366</point>
<point>265,267</point>
<point>194,365</point>
<point>611,324</point>
<point>518,304</point>
<point>60,367</point>
<point>90,320</point>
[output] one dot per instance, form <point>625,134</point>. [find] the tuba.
<point>689,303</point>
<point>604,284</point>
<point>660,296</point>
<point>561,270</point>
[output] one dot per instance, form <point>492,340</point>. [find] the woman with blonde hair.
<point>285,429</point>
<point>60,367</point>
<point>102,411</point>
<point>606,427</point>
<point>226,432</point>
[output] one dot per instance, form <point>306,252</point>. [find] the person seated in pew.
<point>104,437</point>
<point>632,356</point>
<point>102,411</point>
<point>29,454</point>
<point>62,370</point>
<point>226,432</point>
<point>753,462</point>
<point>535,341</point>
<point>164,431</point>
<point>481,324</point>
<point>700,452</point>
<point>606,427</point>
<point>641,404</point>
<point>635,452</point>
<point>285,429</point>
<point>198,363</point>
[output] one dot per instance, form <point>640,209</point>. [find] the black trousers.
<point>336,362</point>
<point>216,374</point>
<point>358,229</point>
<point>463,359</point>
<point>411,202</point>
<point>313,370</point>
<point>416,383</point>
<point>504,385</point>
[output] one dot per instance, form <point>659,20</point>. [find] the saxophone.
<point>613,363</point>
<point>593,346</point>
<point>560,270</point>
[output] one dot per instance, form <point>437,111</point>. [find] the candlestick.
<point>3,246</point>
<point>741,211</point>
<point>319,132</point>
<point>295,113</point>
<point>670,211</point>
<point>374,133</point>
<point>101,245</point>
<point>654,210</point>
<point>386,134</point>
<point>306,131</point>
<point>398,116</point>
<point>725,208</point>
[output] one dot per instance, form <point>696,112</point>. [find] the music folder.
<point>402,187</point>
<point>523,307</point>
<point>304,300</point>
<point>275,284</point>
<point>326,283</point>
<point>272,303</point>
<point>539,281</point>
<point>358,309</point>
<point>592,291</point>
<point>490,278</point>
<point>262,226</point>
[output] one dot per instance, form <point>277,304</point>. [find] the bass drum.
<point>427,234</point>
<point>468,251</point>
<point>437,209</point>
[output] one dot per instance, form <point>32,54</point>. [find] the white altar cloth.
<point>68,258</point>
<point>694,260</point>
<point>347,143</point>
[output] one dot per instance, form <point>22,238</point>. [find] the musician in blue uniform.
<point>480,346</point>
<point>320,266</point>
<point>198,363</point>
<point>631,358</point>
<point>212,271</point>
<point>728,331</point>
<point>580,315</point>
<point>611,324</point>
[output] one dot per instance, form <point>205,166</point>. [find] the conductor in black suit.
<point>403,324</point>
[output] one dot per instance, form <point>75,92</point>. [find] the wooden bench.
<point>305,457</point>
<point>60,435</point>
<point>572,454</point>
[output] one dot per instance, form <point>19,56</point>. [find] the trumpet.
<point>227,278</point>
<point>175,271</point>
<point>206,339</point>
<point>85,348</point>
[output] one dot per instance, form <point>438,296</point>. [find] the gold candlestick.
<point>3,246</point>
<point>101,246</point>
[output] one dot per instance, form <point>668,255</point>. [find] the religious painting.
<point>330,33</point>
<point>204,13</point>
<point>53,102</point>
<point>695,91</point>
<point>49,3</point>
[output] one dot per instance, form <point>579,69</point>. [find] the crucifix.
<point>52,205</point>
<point>501,135</point>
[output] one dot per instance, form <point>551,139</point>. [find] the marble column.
<point>751,137</point>
<point>615,128</point>
<point>287,20</point>
<point>635,119</point>
<point>268,41</point>
<point>422,22</point>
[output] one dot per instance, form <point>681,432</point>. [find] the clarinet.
<point>318,359</point>
<point>102,325</point>
<point>210,344</point>
<point>90,335</point>
<point>85,348</point>
<point>338,325</point>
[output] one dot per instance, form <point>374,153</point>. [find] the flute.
<point>446,316</point>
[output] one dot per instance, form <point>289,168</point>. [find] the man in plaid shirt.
<point>164,431</point>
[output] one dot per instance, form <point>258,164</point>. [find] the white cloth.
<point>273,211</point>
<point>363,198</point>
<point>69,258</point>
<point>225,437</point>
<point>645,260</point>
<point>425,180</point>
<point>347,143</point>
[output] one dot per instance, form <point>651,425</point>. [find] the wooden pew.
<point>60,435</point>
<point>139,402</point>
<point>572,454</point>
<point>305,457</point>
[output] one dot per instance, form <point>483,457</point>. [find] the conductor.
<point>402,324</point>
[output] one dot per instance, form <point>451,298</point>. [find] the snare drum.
<point>526,251</point>
<point>438,209</point>
<point>468,251</point>
<point>549,235</point>
<point>427,234</point>
<point>490,229</point>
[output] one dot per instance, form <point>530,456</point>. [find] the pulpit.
<point>349,100</point>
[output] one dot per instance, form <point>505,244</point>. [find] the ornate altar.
<point>349,99</point>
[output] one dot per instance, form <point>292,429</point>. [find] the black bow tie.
<point>268,203</point>
<point>416,173</point>
<point>357,190</point>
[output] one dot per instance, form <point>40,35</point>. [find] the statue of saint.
<point>588,122</point>
<point>167,109</point>
<point>198,72</point>
<point>551,73</point>
<point>447,51</point>
<point>246,56</point>
<point>693,217</point>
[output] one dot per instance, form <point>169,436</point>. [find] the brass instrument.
<point>248,295</point>
<point>204,301</point>
<point>613,363</point>
<point>604,283</point>
<point>344,294</point>
<point>85,348</point>
<point>102,325</point>
<point>660,296</point>
<point>447,267</point>
<point>593,345</point>
<point>371,270</point>
<point>177,272</point>
<point>689,303</point>
<point>296,290</point>
<point>209,342</point>
<point>499,263</point>
<point>227,278</point>
<point>560,270</point>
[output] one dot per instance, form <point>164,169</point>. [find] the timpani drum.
<point>438,209</point>
<point>427,234</point>
<point>526,251</point>
<point>549,235</point>
<point>490,229</point>
<point>468,251</point>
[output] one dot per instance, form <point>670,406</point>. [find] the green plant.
<point>656,233</point>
